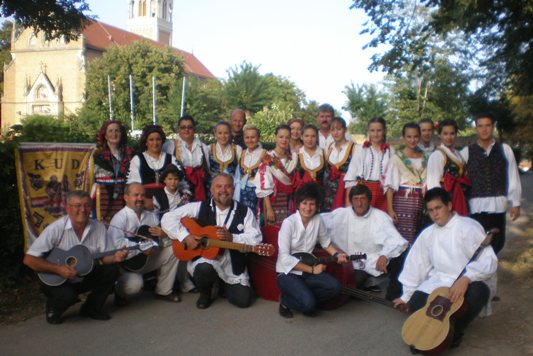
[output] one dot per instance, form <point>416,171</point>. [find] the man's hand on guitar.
<point>399,304</point>
<point>458,289</point>
<point>192,242</point>
<point>381,264</point>
<point>121,255</point>
<point>223,234</point>
<point>66,271</point>
<point>317,269</point>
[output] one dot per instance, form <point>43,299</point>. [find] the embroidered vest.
<point>147,173</point>
<point>162,199</point>
<point>217,166</point>
<point>488,173</point>
<point>207,217</point>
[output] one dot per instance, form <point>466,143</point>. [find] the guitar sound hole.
<point>72,261</point>
<point>437,310</point>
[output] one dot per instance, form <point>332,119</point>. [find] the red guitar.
<point>210,244</point>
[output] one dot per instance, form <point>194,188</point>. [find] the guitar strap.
<point>476,253</point>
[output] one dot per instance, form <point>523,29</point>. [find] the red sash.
<point>197,176</point>
<point>455,185</point>
<point>339,200</point>
<point>298,181</point>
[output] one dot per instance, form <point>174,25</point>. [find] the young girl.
<point>339,156</point>
<point>303,286</point>
<point>250,161</point>
<point>370,162</point>
<point>173,195</point>
<point>223,155</point>
<point>273,181</point>
<point>405,181</point>
<point>311,165</point>
<point>296,126</point>
<point>446,167</point>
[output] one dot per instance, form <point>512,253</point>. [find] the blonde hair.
<point>251,127</point>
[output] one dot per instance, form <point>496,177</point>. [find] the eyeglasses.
<point>186,127</point>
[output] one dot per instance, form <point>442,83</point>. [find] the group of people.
<point>318,185</point>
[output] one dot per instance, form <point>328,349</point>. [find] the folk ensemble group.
<point>418,213</point>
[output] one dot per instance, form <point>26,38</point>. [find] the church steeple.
<point>151,19</point>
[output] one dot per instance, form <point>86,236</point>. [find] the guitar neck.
<point>230,245</point>
<point>358,293</point>
<point>99,255</point>
<point>331,259</point>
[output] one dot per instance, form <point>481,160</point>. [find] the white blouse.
<point>314,160</point>
<point>134,175</point>
<point>189,158</point>
<point>335,155</point>
<point>369,164</point>
<point>436,163</point>
<point>399,174</point>
<point>264,180</point>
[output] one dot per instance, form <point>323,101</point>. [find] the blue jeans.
<point>303,292</point>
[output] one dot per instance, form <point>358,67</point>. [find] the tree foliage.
<point>364,102</point>
<point>246,88</point>
<point>56,18</point>
<point>5,48</point>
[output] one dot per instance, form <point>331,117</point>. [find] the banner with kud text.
<point>46,172</point>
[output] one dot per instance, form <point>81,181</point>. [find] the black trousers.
<point>395,266</point>
<point>101,282</point>
<point>205,276</point>
<point>476,297</point>
<point>490,221</point>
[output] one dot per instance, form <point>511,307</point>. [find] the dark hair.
<point>437,193</point>
<point>447,122</point>
<point>358,190</point>
<point>340,120</point>
<point>186,118</point>
<point>100,135</point>
<point>326,108</point>
<point>308,191</point>
<point>485,115</point>
<point>410,125</point>
<point>282,127</point>
<point>172,169</point>
<point>425,120</point>
<point>81,194</point>
<point>147,131</point>
<point>222,123</point>
<point>379,120</point>
<point>293,120</point>
<point>312,127</point>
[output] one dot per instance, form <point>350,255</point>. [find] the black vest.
<point>162,199</point>
<point>488,173</point>
<point>207,216</point>
<point>147,173</point>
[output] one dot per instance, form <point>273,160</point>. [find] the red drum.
<point>263,269</point>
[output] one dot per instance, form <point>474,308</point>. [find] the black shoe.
<point>53,316</point>
<point>285,312</point>
<point>120,301</point>
<point>96,315</point>
<point>457,339</point>
<point>204,301</point>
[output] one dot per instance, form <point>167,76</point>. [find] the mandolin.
<point>210,244</point>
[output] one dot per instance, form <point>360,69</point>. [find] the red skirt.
<point>379,200</point>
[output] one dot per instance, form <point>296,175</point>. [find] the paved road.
<point>151,326</point>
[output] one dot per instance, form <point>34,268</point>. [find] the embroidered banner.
<point>46,172</point>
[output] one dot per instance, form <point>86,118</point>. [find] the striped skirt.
<point>408,204</point>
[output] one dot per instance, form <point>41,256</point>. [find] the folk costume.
<point>244,178</point>
<point>310,168</point>
<point>407,178</point>
<point>338,161</point>
<point>165,201</point>
<point>195,161</point>
<point>446,169</point>
<point>224,159</point>
<point>230,266</point>
<point>373,234</point>
<point>427,150</point>
<point>495,182</point>
<point>123,226</point>
<point>437,258</point>
<point>274,179</point>
<point>302,291</point>
<point>369,167</point>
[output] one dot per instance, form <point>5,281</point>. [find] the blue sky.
<point>314,43</point>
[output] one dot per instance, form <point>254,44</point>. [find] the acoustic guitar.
<point>80,258</point>
<point>210,244</point>
<point>430,329</point>
<point>137,262</point>
<point>311,260</point>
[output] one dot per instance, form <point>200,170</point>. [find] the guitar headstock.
<point>357,257</point>
<point>264,249</point>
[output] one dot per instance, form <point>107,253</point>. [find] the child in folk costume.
<point>370,162</point>
<point>223,155</point>
<point>251,159</point>
<point>193,155</point>
<point>173,195</point>
<point>311,165</point>
<point>446,167</point>
<point>405,181</point>
<point>339,156</point>
<point>273,181</point>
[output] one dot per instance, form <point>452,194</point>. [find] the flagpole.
<point>153,102</point>
<point>131,102</point>
<point>110,96</point>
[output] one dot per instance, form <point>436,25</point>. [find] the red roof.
<point>99,36</point>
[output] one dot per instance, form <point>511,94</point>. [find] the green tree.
<point>364,102</point>
<point>270,117</point>
<point>143,61</point>
<point>54,18</point>
<point>246,88</point>
<point>5,48</point>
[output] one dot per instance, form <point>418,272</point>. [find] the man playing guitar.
<point>66,232</point>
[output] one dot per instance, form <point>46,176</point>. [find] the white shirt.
<point>293,237</point>
<point>313,161</point>
<point>440,254</point>
<point>373,234</point>
<point>368,164</point>
<point>225,154</point>
<point>173,201</point>
<point>251,235</point>
<point>134,175</point>
<point>436,163</point>
<point>188,158</point>
<point>498,204</point>
<point>267,174</point>
<point>427,150</point>
<point>336,155</point>
<point>325,141</point>
<point>61,234</point>
<point>398,174</point>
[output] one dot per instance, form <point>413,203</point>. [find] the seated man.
<point>438,256</point>
<point>75,229</point>
<point>364,229</point>
<point>235,222</point>
<point>125,224</point>
<point>302,286</point>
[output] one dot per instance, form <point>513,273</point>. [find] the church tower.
<point>151,19</point>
